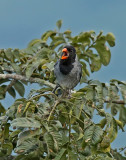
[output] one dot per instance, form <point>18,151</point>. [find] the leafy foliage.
<point>53,127</point>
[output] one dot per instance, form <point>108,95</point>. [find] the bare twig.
<point>32,80</point>
<point>116,102</point>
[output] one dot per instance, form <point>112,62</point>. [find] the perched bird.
<point>68,69</point>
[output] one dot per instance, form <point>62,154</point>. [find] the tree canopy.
<point>48,127</point>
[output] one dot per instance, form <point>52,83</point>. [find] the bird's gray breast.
<point>69,80</point>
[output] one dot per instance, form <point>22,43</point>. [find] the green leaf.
<point>31,67</point>
<point>108,120</point>
<point>29,134</point>
<point>49,142</point>
<point>99,90</point>
<point>2,109</point>
<point>112,93</point>
<point>122,115</point>
<point>60,155</point>
<point>8,147</point>
<point>16,68</point>
<point>72,155</point>
<point>123,91</point>
<point>105,143</point>
<point>85,37</point>
<point>102,123</point>
<point>43,55</point>
<point>82,157</point>
<point>89,93</point>
<point>19,88</point>
<point>25,122</point>
<point>93,134</point>
<point>16,54</point>
<point>10,113</point>
<point>114,109</point>
<point>113,130</point>
<point>84,69</point>
<point>48,34</point>
<point>56,124</point>
<point>120,124</point>
<point>4,80</point>
<point>6,131</point>
<point>57,41</point>
<point>95,64</point>
<point>1,71</point>
<point>50,65</point>
<point>110,39</point>
<point>104,53</point>
<point>57,138</point>
<point>33,42</point>
<point>14,134</point>
<point>12,92</point>
<point>59,24</point>
<point>2,92</point>
<point>26,146</point>
<point>68,34</point>
<point>9,54</point>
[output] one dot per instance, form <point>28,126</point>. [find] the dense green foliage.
<point>52,127</point>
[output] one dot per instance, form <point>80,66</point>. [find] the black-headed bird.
<point>68,69</point>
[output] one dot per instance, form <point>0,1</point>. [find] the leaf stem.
<point>69,116</point>
<point>54,107</point>
<point>39,95</point>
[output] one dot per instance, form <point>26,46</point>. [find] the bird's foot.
<point>66,94</point>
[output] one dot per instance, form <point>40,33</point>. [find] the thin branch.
<point>116,102</point>
<point>69,117</point>
<point>122,149</point>
<point>43,82</point>
<point>54,107</point>
<point>46,94</point>
<point>32,80</point>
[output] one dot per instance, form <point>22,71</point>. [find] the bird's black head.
<point>68,54</point>
<point>67,59</point>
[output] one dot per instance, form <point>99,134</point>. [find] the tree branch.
<point>116,102</point>
<point>43,82</point>
<point>32,80</point>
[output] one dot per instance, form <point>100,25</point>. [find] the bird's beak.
<point>65,53</point>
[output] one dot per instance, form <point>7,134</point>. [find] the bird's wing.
<point>80,71</point>
<point>56,68</point>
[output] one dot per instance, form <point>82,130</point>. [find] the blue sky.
<point>23,20</point>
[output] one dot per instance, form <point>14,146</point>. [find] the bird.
<point>67,70</point>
